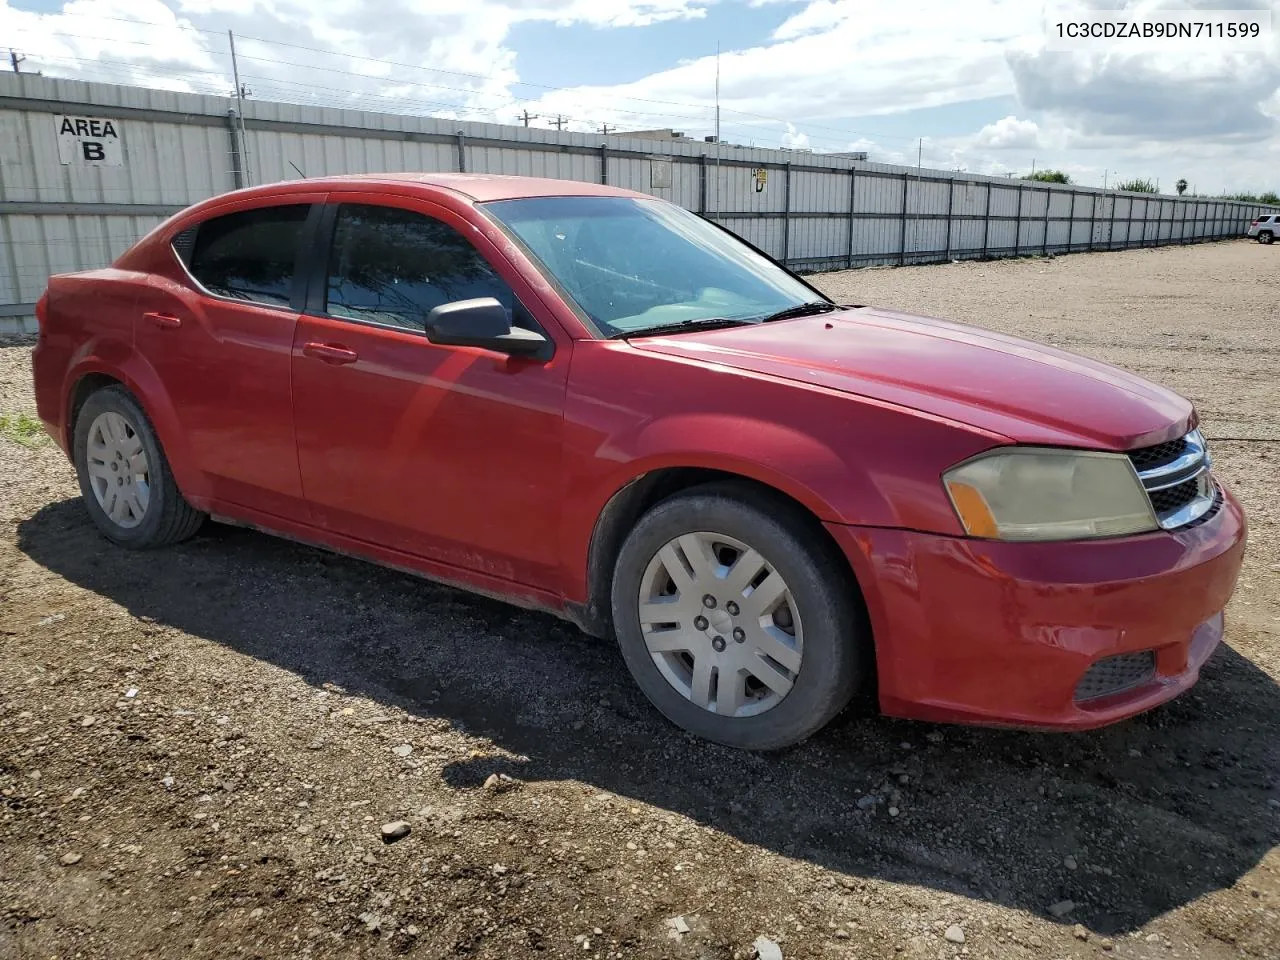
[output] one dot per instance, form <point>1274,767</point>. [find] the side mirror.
<point>482,323</point>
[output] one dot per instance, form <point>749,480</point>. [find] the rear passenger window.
<point>250,255</point>
<point>393,266</point>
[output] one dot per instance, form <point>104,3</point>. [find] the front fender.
<point>796,463</point>
<point>783,458</point>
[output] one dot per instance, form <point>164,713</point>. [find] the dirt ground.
<point>198,747</point>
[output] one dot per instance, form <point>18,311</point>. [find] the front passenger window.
<point>393,266</point>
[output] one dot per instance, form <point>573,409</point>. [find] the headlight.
<point>1043,494</point>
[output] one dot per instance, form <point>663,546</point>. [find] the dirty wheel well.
<point>633,501</point>
<point>85,387</point>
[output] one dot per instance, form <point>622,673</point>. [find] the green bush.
<point>1048,176</point>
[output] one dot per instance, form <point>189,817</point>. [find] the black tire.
<point>1265,236</point>
<point>168,518</point>
<point>837,653</point>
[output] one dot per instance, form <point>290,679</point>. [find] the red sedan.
<point>596,403</point>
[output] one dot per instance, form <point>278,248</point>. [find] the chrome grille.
<point>1159,455</point>
<point>1116,674</point>
<point>1176,477</point>
<point>1175,497</point>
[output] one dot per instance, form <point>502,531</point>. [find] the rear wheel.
<point>1265,236</point>
<point>736,619</point>
<point>125,480</point>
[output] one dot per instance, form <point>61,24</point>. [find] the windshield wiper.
<point>807,309</point>
<point>680,326</point>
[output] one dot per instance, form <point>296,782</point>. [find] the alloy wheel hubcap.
<point>721,624</point>
<point>117,466</point>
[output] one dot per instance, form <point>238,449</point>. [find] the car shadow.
<point>1127,823</point>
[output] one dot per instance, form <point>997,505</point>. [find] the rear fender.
<point>118,360</point>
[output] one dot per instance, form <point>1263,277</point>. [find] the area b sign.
<point>89,141</point>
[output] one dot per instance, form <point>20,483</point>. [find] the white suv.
<point>1265,228</point>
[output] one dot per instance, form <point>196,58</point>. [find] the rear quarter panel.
<point>89,329</point>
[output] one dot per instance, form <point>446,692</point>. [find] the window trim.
<point>300,259</point>
<point>315,297</point>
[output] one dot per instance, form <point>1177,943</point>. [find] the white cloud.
<point>1159,114</point>
<point>104,39</point>
<point>870,59</point>
<point>615,13</point>
<point>91,38</point>
<point>1009,133</point>
<point>794,139</point>
<point>817,17</point>
<point>1077,111</point>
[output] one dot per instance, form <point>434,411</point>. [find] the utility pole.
<point>711,196</point>
<point>527,116</point>
<point>607,129</point>
<point>15,59</point>
<point>1033,166</point>
<point>244,143</point>
<point>915,224</point>
<point>717,91</point>
<point>1104,178</point>
<point>559,121</point>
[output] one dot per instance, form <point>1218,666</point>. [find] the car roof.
<point>478,187</point>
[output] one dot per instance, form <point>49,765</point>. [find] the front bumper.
<point>980,631</point>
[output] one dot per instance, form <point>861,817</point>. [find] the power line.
<point>134,66</point>
<point>468,91</point>
<point>559,89</point>
<point>342,97</point>
<point>478,76</point>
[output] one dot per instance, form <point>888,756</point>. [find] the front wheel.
<point>125,480</point>
<point>737,619</point>
<point>1265,236</point>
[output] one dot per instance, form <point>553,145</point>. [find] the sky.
<point>964,85</point>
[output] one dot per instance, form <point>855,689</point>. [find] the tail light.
<point>42,311</point>
<point>1254,224</point>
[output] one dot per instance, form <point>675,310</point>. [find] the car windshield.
<point>634,265</point>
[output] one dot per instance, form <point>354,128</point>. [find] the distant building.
<point>850,155</point>
<point>662,134</point>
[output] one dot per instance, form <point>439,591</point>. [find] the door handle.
<point>165,321</point>
<point>329,352</point>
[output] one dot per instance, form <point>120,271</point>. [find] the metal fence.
<point>75,190</point>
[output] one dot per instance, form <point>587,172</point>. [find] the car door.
<point>449,453</point>
<point>220,344</point>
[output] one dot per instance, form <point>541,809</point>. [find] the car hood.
<point>1024,391</point>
